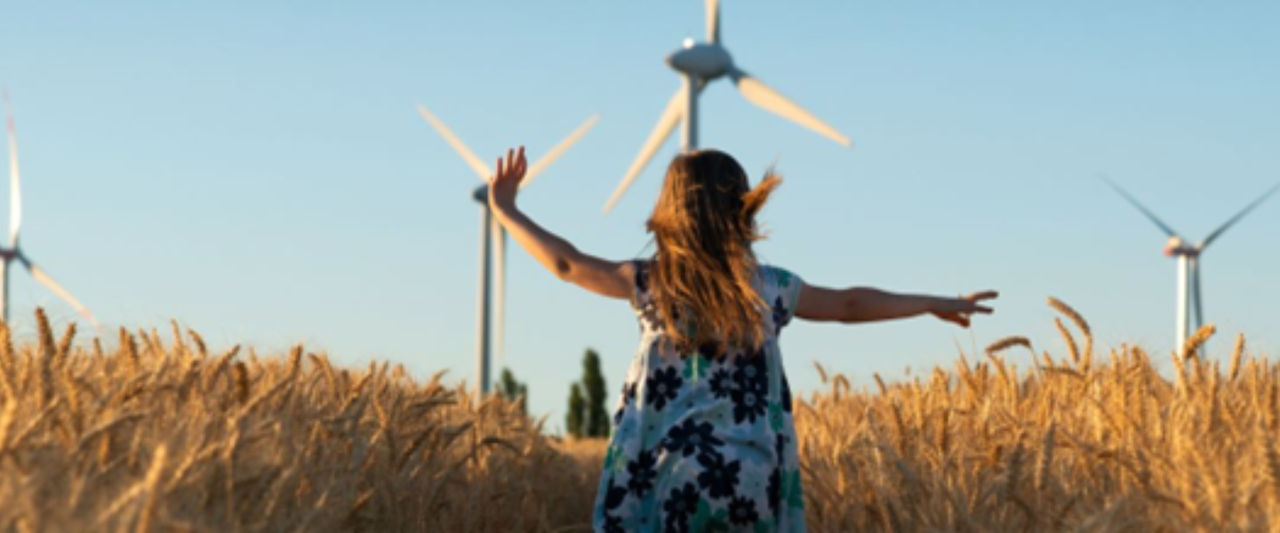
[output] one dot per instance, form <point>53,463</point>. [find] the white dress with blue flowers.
<point>704,441</point>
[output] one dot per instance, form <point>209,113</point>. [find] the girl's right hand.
<point>506,180</point>
<point>958,310</point>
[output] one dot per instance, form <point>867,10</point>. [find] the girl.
<point>703,437</point>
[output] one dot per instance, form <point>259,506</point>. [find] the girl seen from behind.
<point>703,437</point>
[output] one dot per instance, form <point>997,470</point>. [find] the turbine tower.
<point>1188,255</point>
<point>492,286</point>
<point>14,252</point>
<point>698,65</point>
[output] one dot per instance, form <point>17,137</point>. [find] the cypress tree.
<point>573,419</point>
<point>596,418</point>
<point>513,390</point>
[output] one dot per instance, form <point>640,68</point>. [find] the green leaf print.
<point>608,456</point>
<point>705,520</point>
<point>695,368</point>
<point>775,416</point>
<point>782,277</point>
<point>619,462</point>
<point>764,525</point>
<point>791,491</point>
<point>613,460</point>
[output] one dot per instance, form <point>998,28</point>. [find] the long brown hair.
<point>704,270</point>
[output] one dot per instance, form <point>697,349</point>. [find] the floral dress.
<point>704,441</point>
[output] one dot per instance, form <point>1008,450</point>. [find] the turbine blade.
<point>713,21</point>
<point>756,92</point>
<point>15,189</point>
<point>499,290</point>
<point>1195,293</point>
<point>541,164</point>
<point>666,124</point>
<point>42,277</point>
<point>481,169</point>
<point>1151,216</point>
<point>1218,232</point>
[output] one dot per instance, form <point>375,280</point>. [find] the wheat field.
<point>162,434</point>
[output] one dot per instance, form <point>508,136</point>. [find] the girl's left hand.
<point>957,310</point>
<point>506,180</point>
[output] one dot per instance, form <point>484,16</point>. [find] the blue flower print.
<point>774,490</point>
<point>780,316</point>
<point>742,511</point>
<point>786,394</point>
<point>682,502</point>
<point>691,437</point>
<point>613,524</point>
<point>642,472</point>
<point>628,396</point>
<point>613,495</point>
<point>717,476</point>
<point>750,372</point>
<point>720,384</point>
<point>662,387</point>
<point>747,405</point>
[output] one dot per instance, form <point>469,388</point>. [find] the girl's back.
<point>703,438</point>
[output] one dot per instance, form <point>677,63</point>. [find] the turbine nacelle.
<point>1175,246</point>
<point>699,63</point>
<point>701,60</point>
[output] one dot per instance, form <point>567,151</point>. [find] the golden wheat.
<point>152,436</point>
<point>1110,447</point>
<point>166,438</point>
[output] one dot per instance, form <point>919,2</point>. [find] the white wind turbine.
<point>492,236</point>
<point>699,64</point>
<point>14,251</point>
<point>1188,254</point>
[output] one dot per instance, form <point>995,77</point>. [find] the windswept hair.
<point>704,270</point>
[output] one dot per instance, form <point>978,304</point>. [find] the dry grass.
<point>168,436</point>
<point>1068,445</point>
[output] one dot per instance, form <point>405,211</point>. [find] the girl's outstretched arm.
<point>863,304</point>
<point>607,278</point>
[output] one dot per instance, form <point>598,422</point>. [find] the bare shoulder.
<point>613,279</point>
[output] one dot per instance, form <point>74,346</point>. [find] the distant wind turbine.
<point>492,236</point>
<point>1188,254</point>
<point>699,64</point>
<point>14,251</point>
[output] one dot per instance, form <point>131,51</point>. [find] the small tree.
<point>596,418</point>
<point>513,390</point>
<point>573,419</point>
<point>587,416</point>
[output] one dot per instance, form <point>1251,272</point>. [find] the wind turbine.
<point>14,252</point>
<point>1188,254</point>
<point>698,65</point>
<point>492,236</point>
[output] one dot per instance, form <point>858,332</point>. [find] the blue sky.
<point>257,170</point>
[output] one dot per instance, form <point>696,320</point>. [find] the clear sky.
<point>257,171</point>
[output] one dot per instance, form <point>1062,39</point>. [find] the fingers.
<point>514,164</point>
<point>976,297</point>
<point>984,295</point>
